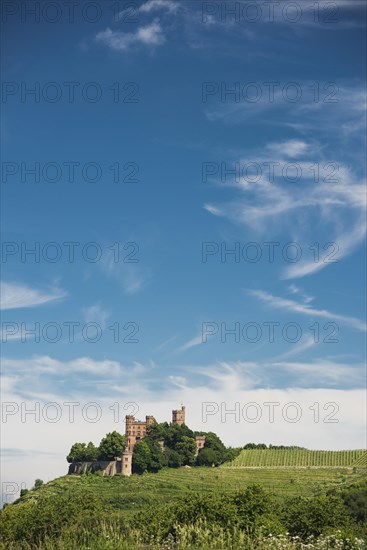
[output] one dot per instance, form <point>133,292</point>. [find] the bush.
<point>314,515</point>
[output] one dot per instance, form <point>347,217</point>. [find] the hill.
<point>196,504</point>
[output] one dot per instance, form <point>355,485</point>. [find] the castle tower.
<point>200,442</point>
<point>178,416</point>
<point>149,420</point>
<point>126,463</point>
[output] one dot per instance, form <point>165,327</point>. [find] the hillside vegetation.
<point>193,508</point>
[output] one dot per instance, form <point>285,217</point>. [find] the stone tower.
<point>178,416</point>
<point>126,463</point>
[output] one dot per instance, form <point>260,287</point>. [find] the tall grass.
<point>199,536</point>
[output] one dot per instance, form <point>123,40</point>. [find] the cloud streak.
<point>150,35</point>
<point>16,296</point>
<point>306,309</point>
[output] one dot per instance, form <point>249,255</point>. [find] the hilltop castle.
<point>135,431</point>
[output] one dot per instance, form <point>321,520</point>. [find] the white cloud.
<point>165,343</point>
<point>196,341</point>
<point>306,309</point>
<point>269,205</point>
<point>306,342</point>
<point>293,289</point>
<point>292,148</point>
<point>129,275</point>
<point>96,314</point>
<point>324,371</point>
<point>154,5</point>
<point>149,35</point>
<point>15,296</point>
<point>46,365</point>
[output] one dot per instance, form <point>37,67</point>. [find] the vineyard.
<point>298,458</point>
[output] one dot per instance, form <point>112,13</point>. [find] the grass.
<point>129,494</point>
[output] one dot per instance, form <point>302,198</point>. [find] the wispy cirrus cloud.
<point>150,35</point>
<point>196,341</point>
<point>324,371</point>
<point>305,309</point>
<point>128,274</point>
<point>16,296</point>
<point>96,314</point>
<point>157,5</point>
<point>307,342</point>
<point>331,203</point>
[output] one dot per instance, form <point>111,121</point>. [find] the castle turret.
<point>200,442</point>
<point>178,416</point>
<point>126,463</point>
<point>149,420</point>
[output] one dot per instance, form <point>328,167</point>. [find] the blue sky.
<point>198,164</point>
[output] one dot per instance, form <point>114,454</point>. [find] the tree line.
<point>179,449</point>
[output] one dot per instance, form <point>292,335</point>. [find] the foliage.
<point>354,499</point>
<point>48,515</point>
<point>147,456</point>
<point>255,446</point>
<point>213,453</point>
<point>195,508</point>
<point>179,443</point>
<point>208,457</point>
<point>38,483</point>
<point>80,452</point>
<point>111,446</point>
<point>186,448</point>
<point>312,516</point>
<point>173,458</point>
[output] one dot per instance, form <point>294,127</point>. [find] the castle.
<point>135,431</point>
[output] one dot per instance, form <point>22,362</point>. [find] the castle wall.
<point>108,467</point>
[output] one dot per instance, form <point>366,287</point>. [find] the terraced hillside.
<point>138,491</point>
<point>298,458</point>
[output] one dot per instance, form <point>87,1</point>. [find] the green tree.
<point>80,452</point>
<point>232,453</point>
<point>208,457</point>
<point>38,483</point>
<point>305,516</point>
<point>112,446</point>
<point>91,452</point>
<point>157,431</point>
<point>77,453</point>
<point>213,443</point>
<point>173,458</point>
<point>175,433</point>
<point>252,504</point>
<point>354,498</point>
<point>147,456</point>
<point>186,447</point>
